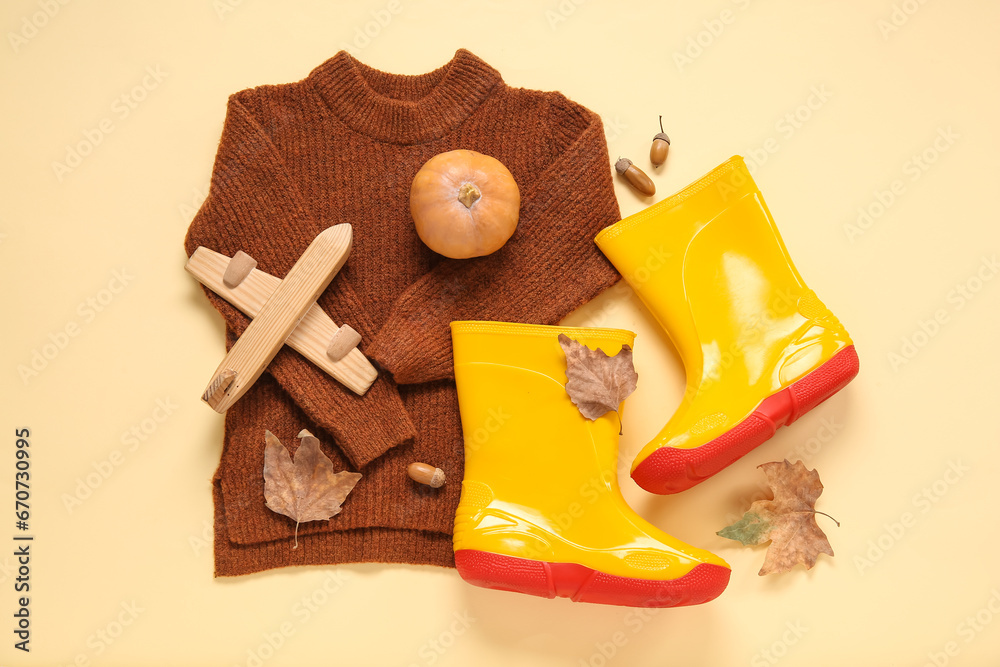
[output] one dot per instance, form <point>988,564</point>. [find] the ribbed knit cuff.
<point>364,427</point>
<point>413,351</point>
<point>378,423</point>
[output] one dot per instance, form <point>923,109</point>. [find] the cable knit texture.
<point>342,146</point>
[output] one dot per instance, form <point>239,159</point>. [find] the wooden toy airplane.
<point>283,311</point>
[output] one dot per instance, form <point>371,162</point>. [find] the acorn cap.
<point>622,165</point>
<point>662,135</point>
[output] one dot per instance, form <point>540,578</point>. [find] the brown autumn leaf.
<point>788,521</point>
<point>596,383</point>
<point>308,489</point>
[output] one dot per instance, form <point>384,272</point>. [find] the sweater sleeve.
<point>254,206</point>
<point>549,267</point>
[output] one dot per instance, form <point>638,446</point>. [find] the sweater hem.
<point>362,545</point>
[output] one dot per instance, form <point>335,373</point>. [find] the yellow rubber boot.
<point>759,348</point>
<point>541,512</point>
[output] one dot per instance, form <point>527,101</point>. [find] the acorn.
<point>636,177</point>
<point>426,474</point>
<point>661,144</point>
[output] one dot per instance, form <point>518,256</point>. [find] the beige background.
<point>885,82</point>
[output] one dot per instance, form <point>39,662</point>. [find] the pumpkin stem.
<point>468,194</point>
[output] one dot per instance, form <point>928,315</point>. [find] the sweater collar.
<point>402,108</point>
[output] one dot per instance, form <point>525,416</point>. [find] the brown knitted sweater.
<point>341,146</point>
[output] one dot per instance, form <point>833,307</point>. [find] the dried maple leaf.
<point>788,521</point>
<point>307,490</point>
<point>596,383</point>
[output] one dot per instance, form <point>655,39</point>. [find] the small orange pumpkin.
<point>464,204</point>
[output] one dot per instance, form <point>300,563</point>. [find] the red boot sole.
<point>672,469</point>
<point>582,584</point>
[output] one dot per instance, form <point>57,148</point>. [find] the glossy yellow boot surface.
<point>541,511</point>
<point>759,347</point>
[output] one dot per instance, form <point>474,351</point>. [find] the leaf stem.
<point>823,513</point>
<point>297,535</point>
<point>620,425</point>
